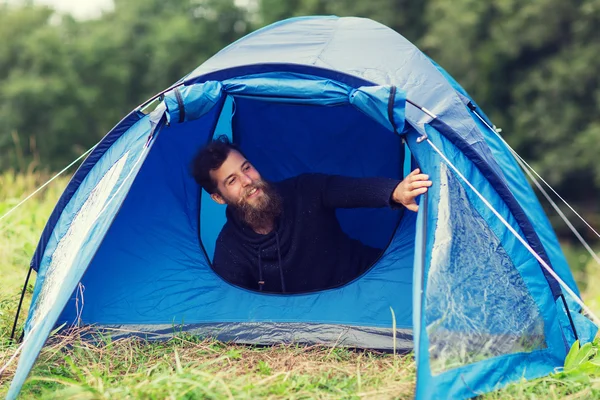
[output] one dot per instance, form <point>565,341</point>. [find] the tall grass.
<point>189,368</point>
<point>20,231</point>
<point>19,234</point>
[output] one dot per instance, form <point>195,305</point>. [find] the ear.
<point>217,198</point>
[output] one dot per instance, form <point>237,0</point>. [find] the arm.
<point>347,192</point>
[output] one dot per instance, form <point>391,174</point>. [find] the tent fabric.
<point>522,191</point>
<point>133,234</point>
<point>71,246</point>
<point>493,330</point>
<point>274,333</point>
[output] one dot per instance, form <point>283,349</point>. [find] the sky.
<point>84,9</point>
<point>79,8</point>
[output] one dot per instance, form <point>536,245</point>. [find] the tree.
<point>64,83</point>
<point>533,67</point>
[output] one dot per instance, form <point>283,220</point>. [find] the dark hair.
<point>210,158</point>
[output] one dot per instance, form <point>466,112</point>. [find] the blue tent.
<point>130,243</point>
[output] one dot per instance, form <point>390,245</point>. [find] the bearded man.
<point>284,237</point>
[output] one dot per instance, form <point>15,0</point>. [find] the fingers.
<point>419,191</point>
<point>417,180</point>
<point>413,207</point>
<point>415,184</point>
<point>419,184</point>
<point>419,177</point>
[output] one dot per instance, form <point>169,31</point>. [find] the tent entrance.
<point>284,140</point>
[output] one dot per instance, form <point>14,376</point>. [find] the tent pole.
<point>562,296</point>
<point>14,328</point>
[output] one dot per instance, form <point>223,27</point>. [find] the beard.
<point>261,213</point>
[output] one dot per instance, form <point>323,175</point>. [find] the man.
<point>285,237</point>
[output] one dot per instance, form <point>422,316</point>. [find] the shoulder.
<point>302,186</point>
<point>303,181</point>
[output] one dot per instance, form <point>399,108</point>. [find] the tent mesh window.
<point>69,245</point>
<point>477,304</point>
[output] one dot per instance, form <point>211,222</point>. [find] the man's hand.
<point>407,191</point>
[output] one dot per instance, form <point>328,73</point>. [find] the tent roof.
<point>328,42</point>
<point>350,47</point>
<point>358,47</point>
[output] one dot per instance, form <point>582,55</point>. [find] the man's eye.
<point>231,181</point>
<point>246,167</point>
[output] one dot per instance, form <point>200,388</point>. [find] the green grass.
<point>19,235</point>
<point>189,368</point>
<point>20,231</point>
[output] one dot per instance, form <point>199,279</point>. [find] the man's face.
<point>238,182</point>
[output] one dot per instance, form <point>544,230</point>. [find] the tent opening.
<point>285,140</point>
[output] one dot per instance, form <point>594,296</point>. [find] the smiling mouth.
<point>252,192</point>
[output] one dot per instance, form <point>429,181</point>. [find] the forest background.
<point>532,66</point>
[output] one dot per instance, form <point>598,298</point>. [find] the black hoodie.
<point>307,250</point>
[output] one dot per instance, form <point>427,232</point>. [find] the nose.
<point>246,180</point>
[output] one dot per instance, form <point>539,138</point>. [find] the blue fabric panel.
<point>493,372</point>
<point>289,87</point>
<point>586,329</point>
<point>524,194</point>
<point>198,100</point>
<point>76,180</point>
<point>257,69</point>
<point>212,214</point>
<point>284,87</point>
<point>131,142</point>
<point>312,90</point>
<point>486,376</point>
<point>374,101</point>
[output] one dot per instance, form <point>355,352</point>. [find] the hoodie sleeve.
<point>334,191</point>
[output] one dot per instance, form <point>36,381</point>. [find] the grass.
<point>186,367</point>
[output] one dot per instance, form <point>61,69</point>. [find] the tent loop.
<point>543,263</point>
<point>79,304</point>
<point>528,170</point>
<point>423,137</point>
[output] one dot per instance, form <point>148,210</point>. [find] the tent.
<point>474,282</point>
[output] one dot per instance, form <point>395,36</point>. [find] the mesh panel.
<point>69,245</point>
<point>477,304</point>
